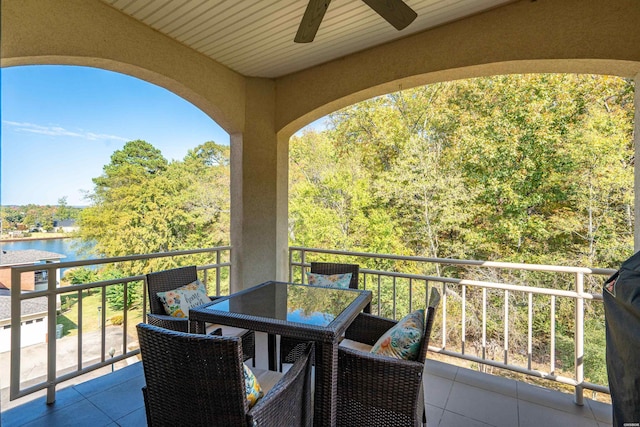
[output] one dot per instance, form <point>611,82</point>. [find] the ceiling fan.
<point>396,12</point>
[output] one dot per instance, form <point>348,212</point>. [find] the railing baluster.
<point>218,278</point>
<point>410,295</point>
<point>395,314</point>
<point>426,294</point>
<point>553,335</point>
<point>144,300</point>
<point>80,328</point>
<point>124,320</point>
<point>103,316</point>
<point>506,327</point>
<point>290,266</point>
<point>529,330</point>
<point>464,317</point>
<point>444,315</point>
<point>379,304</point>
<point>51,357</point>
<point>579,340</point>
<point>484,323</point>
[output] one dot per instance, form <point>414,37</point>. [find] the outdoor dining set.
<point>330,362</point>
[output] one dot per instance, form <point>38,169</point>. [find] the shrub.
<point>117,319</point>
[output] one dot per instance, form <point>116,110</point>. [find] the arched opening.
<point>544,160</point>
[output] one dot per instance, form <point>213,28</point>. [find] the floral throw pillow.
<point>403,340</point>
<point>251,386</point>
<point>178,301</point>
<point>330,280</point>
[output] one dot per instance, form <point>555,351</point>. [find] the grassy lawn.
<point>91,316</point>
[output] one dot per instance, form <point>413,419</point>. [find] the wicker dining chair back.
<point>329,268</point>
<point>163,281</point>
<point>381,390</point>
<point>167,280</point>
<point>290,348</point>
<point>198,380</point>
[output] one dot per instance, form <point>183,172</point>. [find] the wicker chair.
<point>290,348</point>
<point>198,380</point>
<point>168,280</point>
<point>380,390</point>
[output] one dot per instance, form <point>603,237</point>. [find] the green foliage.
<point>35,216</point>
<point>520,168</point>
<point>523,168</point>
<point>117,319</point>
<point>115,295</point>
<point>80,276</point>
<point>142,204</point>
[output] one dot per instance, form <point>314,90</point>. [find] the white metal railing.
<point>53,292</point>
<point>406,290</point>
<point>455,288</point>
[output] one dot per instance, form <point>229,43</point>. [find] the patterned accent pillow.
<point>178,301</point>
<point>331,280</point>
<point>403,340</point>
<point>251,386</point>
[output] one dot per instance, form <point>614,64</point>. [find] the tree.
<point>134,164</point>
<point>64,211</point>
<point>524,168</point>
<point>142,204</point>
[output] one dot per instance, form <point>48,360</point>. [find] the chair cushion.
<point>230,331</point>
<point>178,301</point>
<point>267,379</point>
<point>403,340</point>
<point>330,280</point>
<point>355,345</point>
<point>251,386</point>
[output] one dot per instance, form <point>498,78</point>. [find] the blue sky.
<point>60,125</point>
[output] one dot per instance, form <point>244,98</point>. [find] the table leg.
<point>326,393</point>
<point>273,360</point>
<point>197,327</point>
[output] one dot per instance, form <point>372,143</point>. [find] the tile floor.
<point>463,397</point>
<point>454,397</point>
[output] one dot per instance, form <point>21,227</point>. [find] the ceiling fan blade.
<point>395,12</point>
<point>311,20</point>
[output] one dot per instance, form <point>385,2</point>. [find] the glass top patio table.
<point>298,311</point>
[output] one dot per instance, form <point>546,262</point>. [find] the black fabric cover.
<point>621,297</point>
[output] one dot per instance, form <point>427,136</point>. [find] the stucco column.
<point>258,219</point>
<point>636,181</point>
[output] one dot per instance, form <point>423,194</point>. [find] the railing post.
<point>16,318</point>
<point>52,299</point>
<point>579,340</point>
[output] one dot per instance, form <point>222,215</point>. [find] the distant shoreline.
<point>22,239</point>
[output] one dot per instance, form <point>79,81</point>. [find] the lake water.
<point>69,247</point>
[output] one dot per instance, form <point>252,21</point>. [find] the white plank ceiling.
<point>255,37</point>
